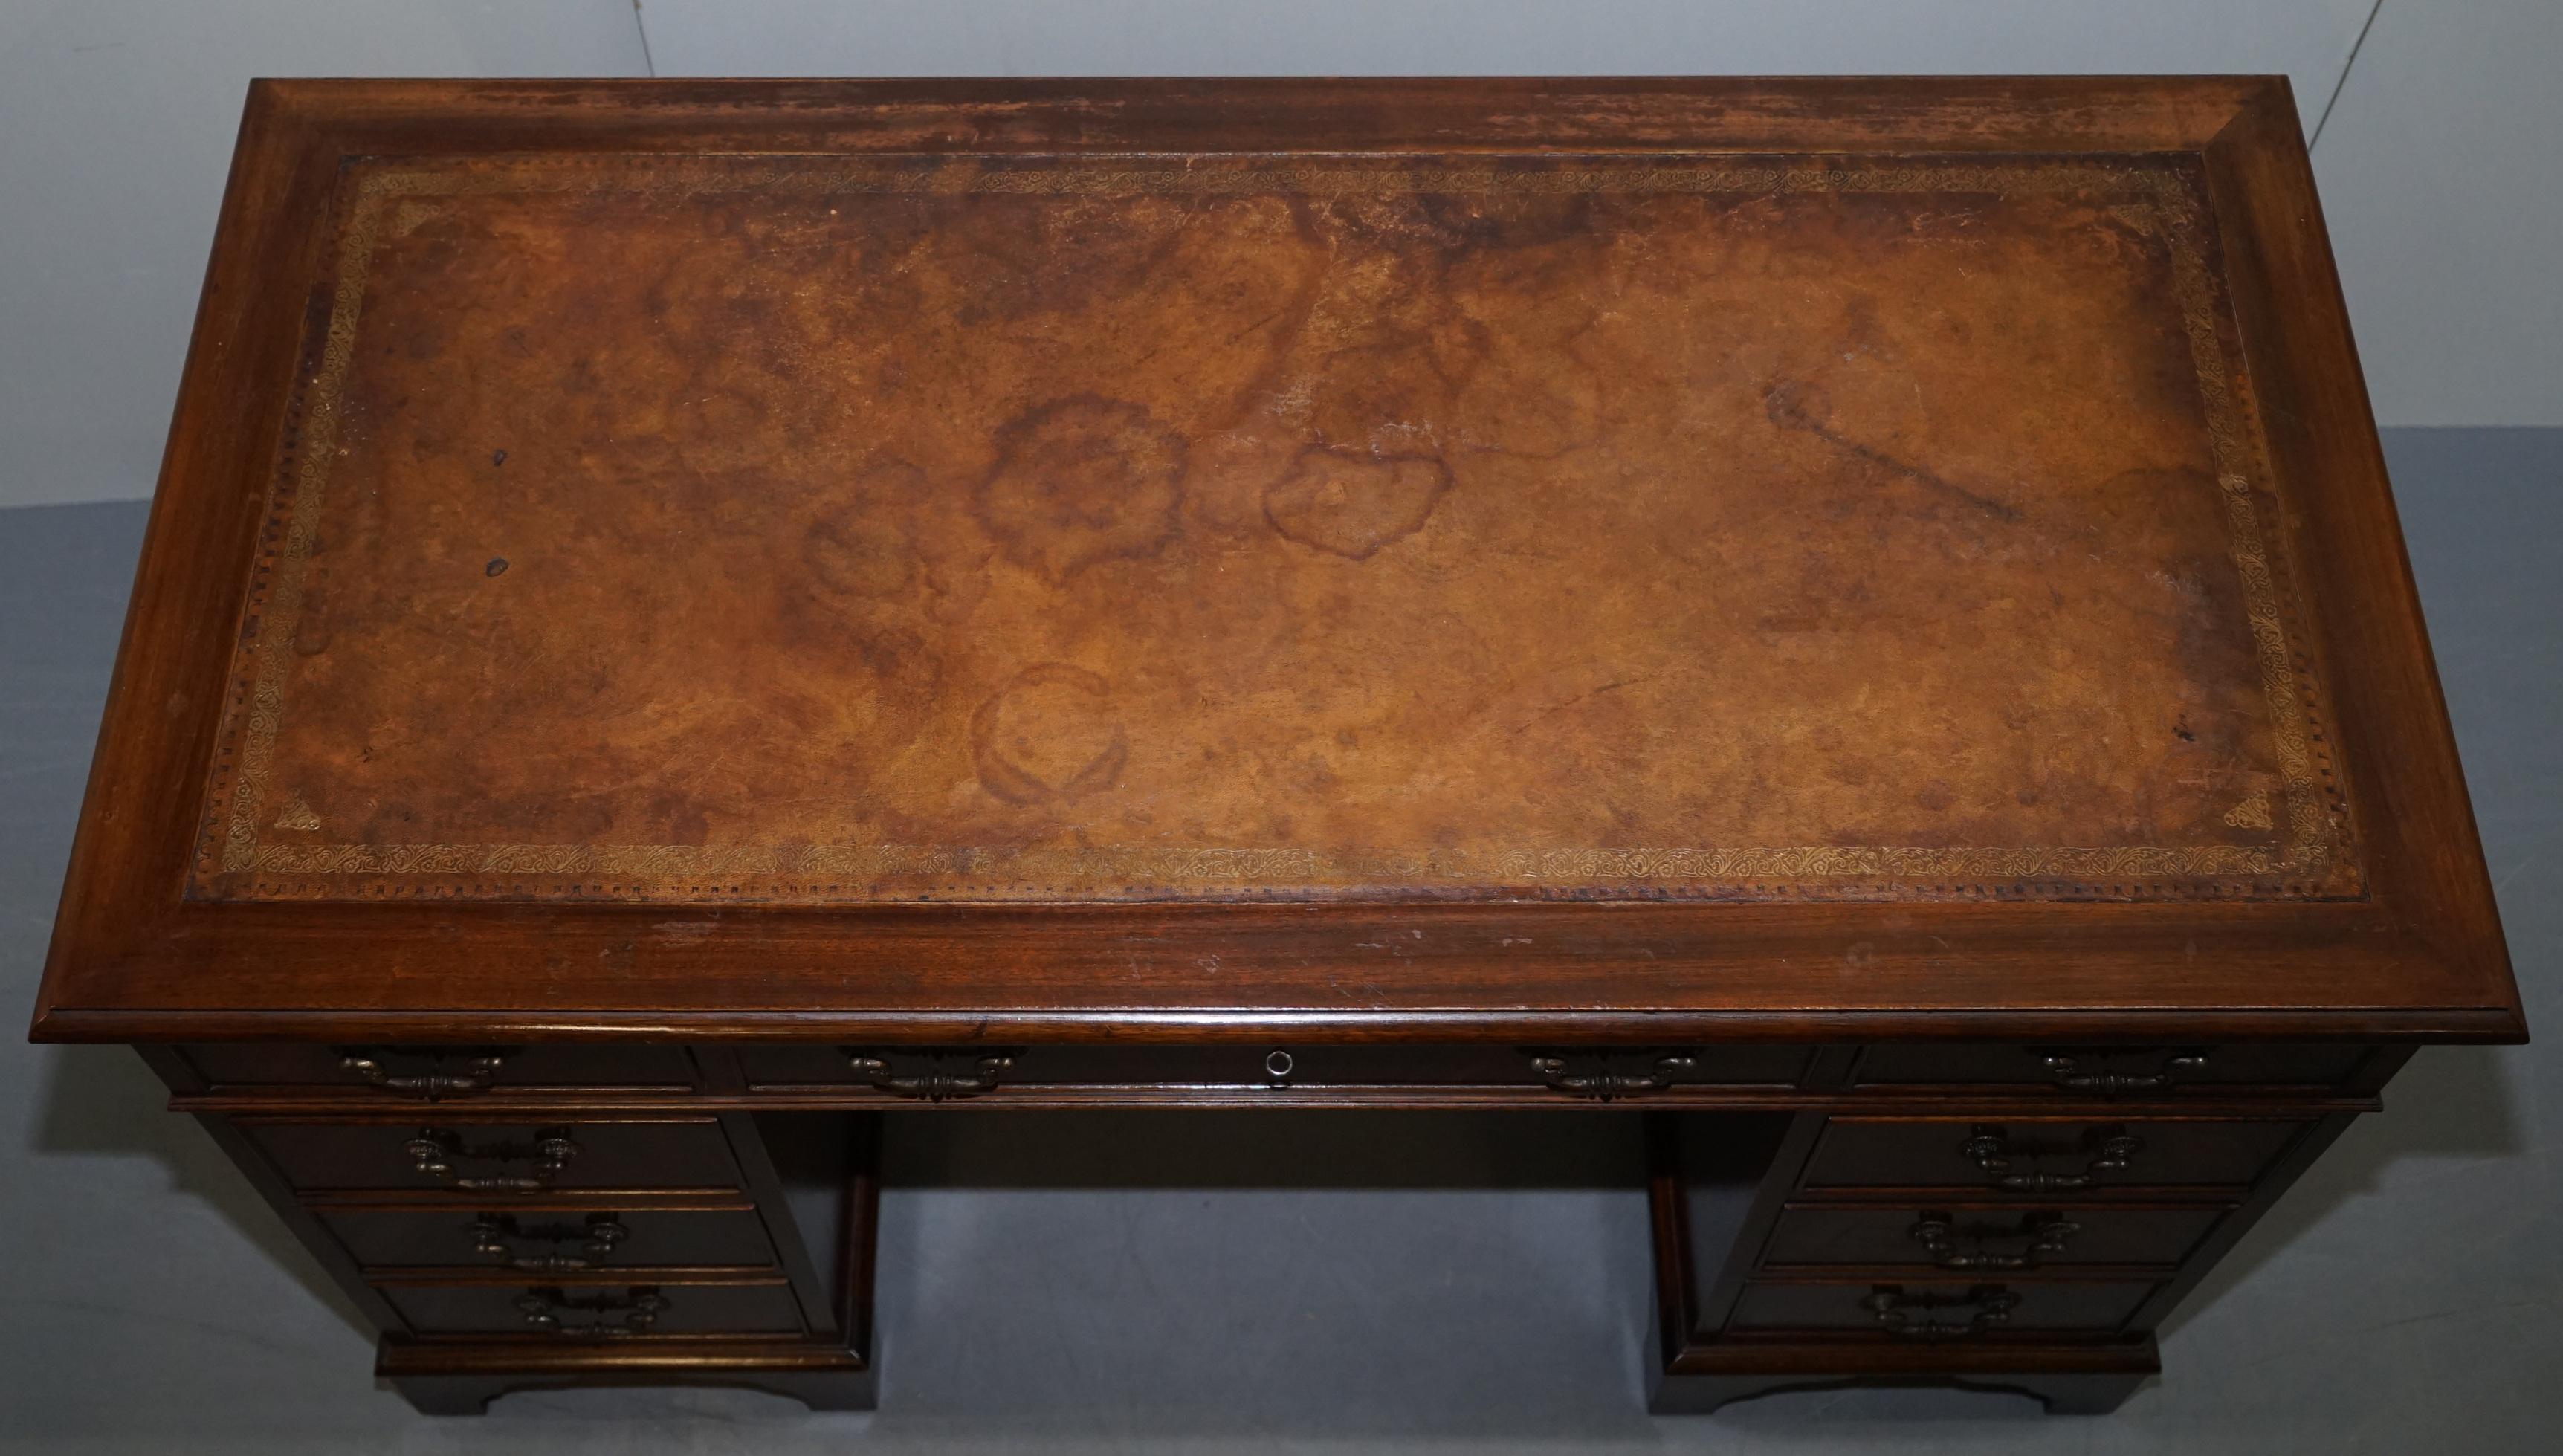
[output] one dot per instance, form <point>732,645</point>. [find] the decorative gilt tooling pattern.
<point>838,530</point>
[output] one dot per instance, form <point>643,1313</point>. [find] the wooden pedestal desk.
<point>1861,621</point>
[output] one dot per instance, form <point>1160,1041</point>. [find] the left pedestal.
<point>508,1238</point>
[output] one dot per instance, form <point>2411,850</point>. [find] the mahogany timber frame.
<point>2118,1042</point>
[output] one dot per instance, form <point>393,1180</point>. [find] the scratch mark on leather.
<point>1786,404</point>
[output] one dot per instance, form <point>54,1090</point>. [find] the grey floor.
<point>1344,1281</point>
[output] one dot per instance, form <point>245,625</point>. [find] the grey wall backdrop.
<point>2443,189</point>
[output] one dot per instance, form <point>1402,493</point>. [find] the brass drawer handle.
<point>638,1307</point>
<point>2062,1069</point>
<point>495,1235</point>
<point>480,1067</point>
<point>437,1151</point>
<point>932,1074</point>
<point>1938,1234</point>
<point>1992,1151</point>
<point>1606,1074</point>
<point>1913,1316</point>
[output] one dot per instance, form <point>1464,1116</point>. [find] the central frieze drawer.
<point>973,1071</point>
<point>1925,1310</point>
<point>551,1239</point>
<point>596,1310</point>
<point>2039,1157</point>
<point>499,1157</point>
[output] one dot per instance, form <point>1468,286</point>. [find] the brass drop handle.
<point>1993,1153</point>
<point>2064,1070</point>
<point>1608,1073</point>
<point>1938,1234</point>
<point>437,1152</point>
<point>496,1236</point>
<point>640,1307</point>
<point>1914,1315</point>
<point>932,1074</point>
<point>479,1066</point>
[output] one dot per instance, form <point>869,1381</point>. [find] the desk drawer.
<point>1941,1310</point>
<point>2111,1071</point>
<point>2045,1156</point>
<point>596,1310</point>
<point>951,1072</point>
<point>499,1157</point>
<point>1984,1239</point>
<point>551,1241</point>
<point>442,1073</point>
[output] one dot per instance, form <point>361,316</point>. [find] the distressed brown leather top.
<point>842,529</point>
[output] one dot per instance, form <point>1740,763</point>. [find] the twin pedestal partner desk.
<point>1861,621</point>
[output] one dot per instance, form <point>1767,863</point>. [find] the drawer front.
<point>1941,1310</point>
<point>1984,1239</point>
<point>551,1241</point>
<point>2044,1157</point>
<point>442,1073</point>
<point>959,1071</point>
<point>499,1158</point>
<point>2111,1071</point>
<point>594,1310</point>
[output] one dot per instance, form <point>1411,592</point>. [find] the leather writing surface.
<point>847,529</point>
